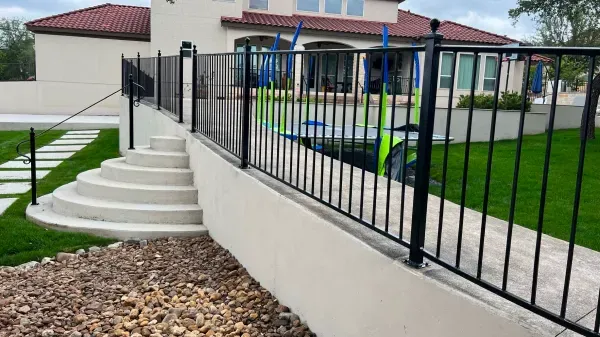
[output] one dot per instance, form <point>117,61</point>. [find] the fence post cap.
<point>247,40</point>
<point>32,130</point>
<point>435,25</point>
<point>131,76</point>
<point>159,53</point>
<point>122,55</point>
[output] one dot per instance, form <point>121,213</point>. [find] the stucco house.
<point>79,52</point>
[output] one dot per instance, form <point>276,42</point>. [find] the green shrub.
<point>508,101</point>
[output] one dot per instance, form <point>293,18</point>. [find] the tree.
<point>17,55</point>
<point>568,23</point>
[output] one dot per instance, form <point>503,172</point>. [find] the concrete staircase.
<point>148,194</point>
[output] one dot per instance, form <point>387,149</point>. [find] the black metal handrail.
<point>32,135</point>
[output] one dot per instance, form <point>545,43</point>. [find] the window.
<point>446,71</point>
<point>259,4</point>
<point>355,7</point>
<point>489,75</point>
<point>307,5</point>
<point>333,6</point>
<point>465,72</point>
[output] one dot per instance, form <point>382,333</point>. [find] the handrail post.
<point>424,147</point>
<point>194,88</point>
<point>122,73</point>
<point>139,75</point>
<point>131,112</point>
<point>180,84</point>
<point>159,84</point>
<point>246,107</point>
<point>33,167</point>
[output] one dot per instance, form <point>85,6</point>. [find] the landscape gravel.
<point>170,287</point>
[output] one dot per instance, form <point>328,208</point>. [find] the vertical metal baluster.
<point>279,118</point>
<point>307,116</point>
<point>463,194</point>
<point>293,103</point>
<point>285,105</point>
<point>378,139</point>
<point>257,134</point>
<point>366,127</point>
<point>389,162</point>
<point>267,119</point>
<point>351,183</point>
<point>577,199</point>
<point>342,147</point>
<point>446,149</point>
<point>314,139</point>
<point>597,322</point>
<point>323,127</point>
<point>538,241</point>
<point>513,200</point>
<point>299,140</point>
<point>180,82</point>
<point>33,161</point>
<point>194,89</point>
<point>335,80</point>
<point>405,144</point>
<point>488,174</point>
<point>261,116</point>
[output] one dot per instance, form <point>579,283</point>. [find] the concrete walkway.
<point>12,122</point>
<point>16,169</point>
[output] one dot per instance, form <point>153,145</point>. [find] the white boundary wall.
<point>339,284</point>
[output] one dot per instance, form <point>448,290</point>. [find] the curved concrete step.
<point>148,157</point>
<point>44,215</point>
<point>92,184</point>
<point>119,170</point>
<point>167,144</point>
<point>68,202</point>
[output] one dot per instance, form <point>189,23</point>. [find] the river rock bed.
<point>172,287</point>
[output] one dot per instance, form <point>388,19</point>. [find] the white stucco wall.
<point>566,116</point>
<point>71,73</point>
<point>337,283</point>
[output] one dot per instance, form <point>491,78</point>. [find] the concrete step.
<point>44,215</point>
<point>148,157</point>
<point>68,202</point>
<point>92,184</point>
<point>119,170</point>
<point>167,144</point>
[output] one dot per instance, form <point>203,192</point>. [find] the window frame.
<point>260,9</point>
<point>449,75</point>
<point>477,72</point>
<point>330,13</point>
<point>306,10</point>
<point>489,78</point>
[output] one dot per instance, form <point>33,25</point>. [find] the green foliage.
<point>508,101</point>
<point>17,55</point>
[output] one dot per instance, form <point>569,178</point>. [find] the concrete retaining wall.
<point>567,116</point>
<point>298,250</point>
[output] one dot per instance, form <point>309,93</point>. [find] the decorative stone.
<point>6,202</point>
<point>28,265</point>
<point>60,257</point>
<point>80,252</point>
<point>115,245</point>
<point>48,333</point>
<point>46,260</point>
<point>94,249</point>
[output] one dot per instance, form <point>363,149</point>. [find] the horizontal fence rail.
<point>354,130</point>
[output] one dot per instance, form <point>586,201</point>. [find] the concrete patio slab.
<point>21,165</point>
<point>61,148</point>
<point>13,122</point>
<point>14,188</point>
<point>5,203</point>
<point>22,175</point>
<point>49,155</point>
<point>79,137</point>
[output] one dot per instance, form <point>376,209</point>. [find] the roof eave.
<point>89,33</point>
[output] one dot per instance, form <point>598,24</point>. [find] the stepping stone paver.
<point>79,137</point>
<point>49,155</point>
<point>21,165</point>
<point>22,175</point>
<point>83,132</point>
<point>14,188</point>
<point>71,141</point>
<point>5,203</point>
<point>61,148</point>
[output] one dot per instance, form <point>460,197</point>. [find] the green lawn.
<point>561,183</point>
<point>22,241</point>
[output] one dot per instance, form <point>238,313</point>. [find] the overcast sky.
<point>490,15</point>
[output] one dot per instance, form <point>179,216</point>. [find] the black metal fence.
<point>361,160</point>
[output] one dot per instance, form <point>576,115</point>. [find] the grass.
<point>22,241</point>
<point>561,183</point>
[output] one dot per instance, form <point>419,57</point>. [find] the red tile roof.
<point>408,25</point>
<point>108,19</point>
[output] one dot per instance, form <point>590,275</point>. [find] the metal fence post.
<point>421,188</point>
<point>131,112</point>
<point>139,74</point>
<point>123,71</point>
<point>33,167</point>
<point>159,84</point>
<point>194,88</point>
<point>180,84</point>
<point>246,107</point>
